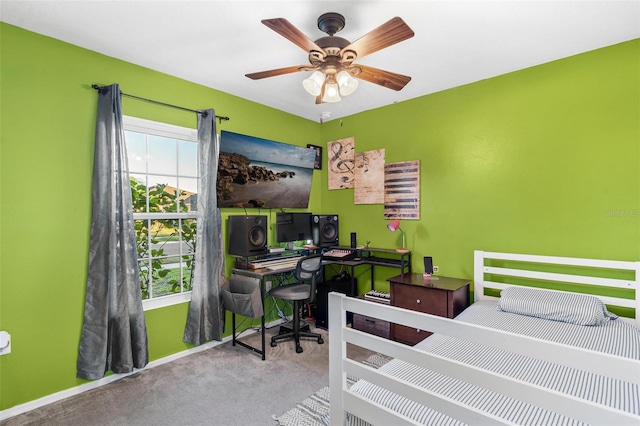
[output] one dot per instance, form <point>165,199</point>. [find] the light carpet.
<point>314,410</point>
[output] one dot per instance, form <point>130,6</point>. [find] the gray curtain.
<point>114,334</point>
<point>205,320</point>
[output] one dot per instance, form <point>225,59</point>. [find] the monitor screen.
<point>293,227</point>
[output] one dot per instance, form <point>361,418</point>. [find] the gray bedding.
<point>614,337</point>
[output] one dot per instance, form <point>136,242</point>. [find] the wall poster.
<point>402,190</point>
<point>340,155</point>
<point>369,177</point>
<point>317,164</point>
<point>256,172</point>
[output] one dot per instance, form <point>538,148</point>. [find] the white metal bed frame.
<point>343,400</point>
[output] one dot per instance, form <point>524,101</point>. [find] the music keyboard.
<point>378,296</point>
<point>282,266</point>
<point>289,261</point>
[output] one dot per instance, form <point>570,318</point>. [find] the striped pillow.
<point>574,308</point>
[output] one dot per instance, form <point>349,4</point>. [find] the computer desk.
<point>371,257</point>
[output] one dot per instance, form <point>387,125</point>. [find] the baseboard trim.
<point>59,396</point>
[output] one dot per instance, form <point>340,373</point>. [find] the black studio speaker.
<point>247,235</point>
<point>324,229</point>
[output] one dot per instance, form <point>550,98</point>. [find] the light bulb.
<point>313,84</point>
<point>331,93</point>
<point>347,83</point>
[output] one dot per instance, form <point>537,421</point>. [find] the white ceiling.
<point>215,43</point>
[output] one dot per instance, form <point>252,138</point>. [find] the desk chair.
<point>307,272</point>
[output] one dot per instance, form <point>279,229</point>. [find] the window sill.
<point>164,301</point>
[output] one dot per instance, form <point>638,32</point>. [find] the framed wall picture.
<point>318,162</point>
<point>340,163</point>
<point>256,172</point>
<point>402,190</point>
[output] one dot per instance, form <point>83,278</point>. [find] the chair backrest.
<point>308,271</point>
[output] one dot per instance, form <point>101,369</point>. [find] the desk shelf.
<point>388,258</point>
<point>382,261</point>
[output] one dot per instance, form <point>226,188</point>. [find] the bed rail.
<point>592,282</point>
<point>344,401</point>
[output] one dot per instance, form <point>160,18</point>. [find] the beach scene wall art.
<point>256,172</point>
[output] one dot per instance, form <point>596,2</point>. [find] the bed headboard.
<point>508,269</point>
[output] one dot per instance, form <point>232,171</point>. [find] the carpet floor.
<point>314,410</point>
<point>224,385</point>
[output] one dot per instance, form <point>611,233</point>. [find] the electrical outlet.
<point>267,286</point>
<point>5,343</point>
<point>436,269</point>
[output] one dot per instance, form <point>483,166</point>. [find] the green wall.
<point>48,125</point>
<point>543,161</point>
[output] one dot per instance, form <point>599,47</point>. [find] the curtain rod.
<point>219,117</point>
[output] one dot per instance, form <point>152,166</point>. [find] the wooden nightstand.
<point>442,296</point>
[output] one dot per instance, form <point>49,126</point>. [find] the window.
<point>164,180</point>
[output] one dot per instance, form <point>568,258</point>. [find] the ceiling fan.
<point>332,58</point>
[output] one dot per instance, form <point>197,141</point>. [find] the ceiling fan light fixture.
<point>331,92</point>
<point>330,55</point>
<point>346,83</point>
<point>313,84</point>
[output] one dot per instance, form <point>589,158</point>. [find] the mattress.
<point>614,337</point>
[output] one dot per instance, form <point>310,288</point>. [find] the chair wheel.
<point>298,349</point>
<point>274,344</point>
<point>320,340</point>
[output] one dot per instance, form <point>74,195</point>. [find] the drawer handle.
<point>417,300</point>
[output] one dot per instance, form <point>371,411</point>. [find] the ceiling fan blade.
<point>384,78</point>
<point>287,30</point>
<point>275,72</point>
<point>391,32</point>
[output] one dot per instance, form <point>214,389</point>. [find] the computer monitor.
<point>293,227</point>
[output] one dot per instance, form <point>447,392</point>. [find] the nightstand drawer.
<point>408,335</point>
<point>371,325</point>
<point>420,299</point>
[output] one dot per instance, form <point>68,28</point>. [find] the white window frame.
<point>156,128</point>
